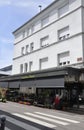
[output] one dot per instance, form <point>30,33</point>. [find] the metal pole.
<point>78,97</point>
<point>40,6</point>
<point>3,121</point>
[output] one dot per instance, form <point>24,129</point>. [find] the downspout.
<point>82,31</point>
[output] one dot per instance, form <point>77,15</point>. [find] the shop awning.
<point>15,84</point>
<point>50,83</point>
<point>44,83</point>
<point>4,84</point>
<point>29,83</point>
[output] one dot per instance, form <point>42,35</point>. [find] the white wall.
<point>75,4</point>
<point>52,12</point>
<point>73,44</point>
<point>52,31</point>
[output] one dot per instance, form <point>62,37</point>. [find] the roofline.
<point>35,16</point>
<point>6,68</point>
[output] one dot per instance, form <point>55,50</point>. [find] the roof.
<point>7,68</point>
<point>36,15</point>
<point>2,73</point>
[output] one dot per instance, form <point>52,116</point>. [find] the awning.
<point>44,83</point>
<point>29,83</point>
<point>50,83</point>
<point>4,84</point>
<point>15,84</point>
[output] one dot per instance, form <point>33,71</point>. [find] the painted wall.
<point>73,44</point>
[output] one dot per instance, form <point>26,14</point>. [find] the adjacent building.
<point>7,70</point>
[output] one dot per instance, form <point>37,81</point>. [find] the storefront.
<point>65,82</point>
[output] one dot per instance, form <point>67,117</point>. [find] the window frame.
<point>23,34</point>
<point>25,67</point>
<point>64,63</point>
<point>30,66</point>
<point>43,20</point>
<point>60,38</point>
<point>31,46</point>
<point>22,51</point>
<point>21,68</point>
<point>41,60</point>
<point>27,49</point>
<point>61,7</point>
<point>42,39</point>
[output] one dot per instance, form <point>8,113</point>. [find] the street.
<point>24,117</point>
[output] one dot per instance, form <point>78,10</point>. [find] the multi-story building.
<point>52,38</point>
<point>49,51</point>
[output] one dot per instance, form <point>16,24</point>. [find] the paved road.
<point>23,117</point>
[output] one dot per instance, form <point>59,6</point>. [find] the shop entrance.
<point>46,97</point>
<point>75,95</point>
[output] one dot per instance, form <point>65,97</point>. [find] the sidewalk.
<point>79,110</point>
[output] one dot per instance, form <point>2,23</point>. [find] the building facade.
<point>49,52</point>
<point>52,38</point>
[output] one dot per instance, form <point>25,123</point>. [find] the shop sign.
<point>27,77</point>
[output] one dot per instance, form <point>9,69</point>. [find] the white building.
<point>48,52</point>
<point>52,38</point>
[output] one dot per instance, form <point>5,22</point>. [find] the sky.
<point>13,14</point>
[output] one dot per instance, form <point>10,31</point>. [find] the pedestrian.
<point>57,101</point>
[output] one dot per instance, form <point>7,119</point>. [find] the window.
<point>23,34</point>
<point>63,10</point>
<point>22,51</point>
<point>43,63</point>
<point>31,47</point>
<point>45,21</point>
<point>33,28</point>
<point>27,49</point>
<point>25,67</point>
<point>21,68</point>
<point>30,65</point>
<point>63,33</point>
<point>28,31</point>
<point>44,41</point>
<point>37,26</point>
<point>64,58</point>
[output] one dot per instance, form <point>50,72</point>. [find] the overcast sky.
<point>13,14</point>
